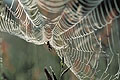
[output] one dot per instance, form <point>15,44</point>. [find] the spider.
<point>49,46</point>
<point>53,76</point>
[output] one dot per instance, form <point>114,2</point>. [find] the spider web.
<point>85,33</point>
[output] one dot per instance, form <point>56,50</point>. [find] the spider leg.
<point>53,74</point>
<point>49,77</point>
<point>66,70</point>
<point>62,63</point>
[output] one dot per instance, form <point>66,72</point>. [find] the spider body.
<point>49,46</point>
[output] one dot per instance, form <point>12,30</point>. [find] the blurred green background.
<point>26,61</point>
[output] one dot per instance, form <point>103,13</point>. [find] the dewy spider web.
<point>85,33</point>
